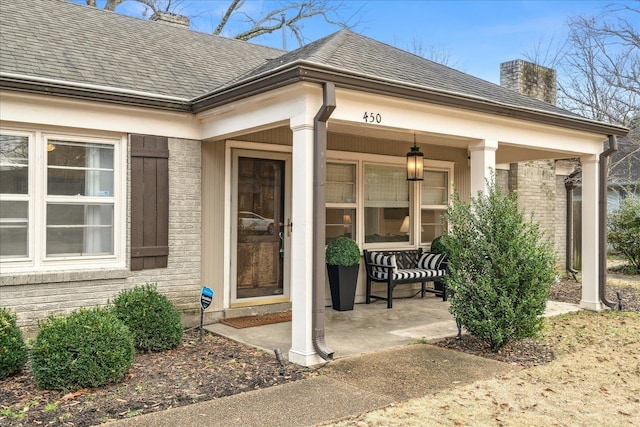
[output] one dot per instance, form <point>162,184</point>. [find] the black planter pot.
<point>343,281</point>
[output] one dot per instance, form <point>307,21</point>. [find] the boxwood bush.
<point>342,251</point>
<point>88,348</point>
<point>13,351</point>
<point>624,231</point>
<point>501,268</point>
<point>153,320</point>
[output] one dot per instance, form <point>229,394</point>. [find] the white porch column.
<point>483,161</point>
<point>590,298</point>
<point>302,351</point>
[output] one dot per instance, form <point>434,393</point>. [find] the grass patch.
<point>51,407</point>
<point>626,269</point>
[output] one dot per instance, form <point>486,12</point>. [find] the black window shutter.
<point>149,201</point>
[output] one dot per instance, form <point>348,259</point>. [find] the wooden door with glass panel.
<point>260,246</point>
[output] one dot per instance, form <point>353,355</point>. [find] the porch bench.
<point>398,267</point>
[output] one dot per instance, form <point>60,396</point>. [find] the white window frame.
<point>393,162</point>
<point>37,261</point>
<point>29,197</point>
<point>434,166</point>
<point>347,205</point>
<point>415,205</point>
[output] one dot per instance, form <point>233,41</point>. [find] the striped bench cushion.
<point>429,261</point>
<point>383,260</point>
<point>415,273</point>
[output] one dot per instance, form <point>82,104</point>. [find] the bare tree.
<point>289,14</point>
<point>433,53</point>
<point>599,77</point>
<point>110,5</point>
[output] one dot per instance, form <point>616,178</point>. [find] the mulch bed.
<point>263,319</point>
<point>525,353</point>
<point>529,353</point>
<point>197,370</point>
<point>194,371</point>
<point>568,290</point>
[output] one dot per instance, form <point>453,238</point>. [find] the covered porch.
<point>286,126</point>
<point>369,327</point>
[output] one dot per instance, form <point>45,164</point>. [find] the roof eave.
<point>296,72</point>
<point>92,93</point>
<point>302,71</point>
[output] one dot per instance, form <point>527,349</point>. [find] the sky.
<point>473,36</point>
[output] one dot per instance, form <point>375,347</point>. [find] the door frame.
<point>234,150</point>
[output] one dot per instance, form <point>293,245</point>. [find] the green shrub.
<point>13,351</point>
<point>438,245</point>
<point>153,320</point>
<point>624,231</point>
<point>342,251</point>
<point>88,348</point>
<point>501,268</point>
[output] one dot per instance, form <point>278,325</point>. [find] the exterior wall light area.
<point>415,163</point>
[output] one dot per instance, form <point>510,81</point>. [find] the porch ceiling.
<point>400,135</point>
<point>506,153</point>
<point>509,153</point>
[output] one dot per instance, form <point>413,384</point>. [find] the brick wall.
<point>180,281</point>
<point>529,79</point>
<point>35,296</point>
<point>536,186</point>
<point>540,188</point>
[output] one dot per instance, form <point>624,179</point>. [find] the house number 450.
<point>372,117</point>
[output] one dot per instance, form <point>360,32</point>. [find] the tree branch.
<point>235,4</point>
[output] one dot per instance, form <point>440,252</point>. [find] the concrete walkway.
<point>351,385</point>
<point>347,387</point>
<point>368,327</point>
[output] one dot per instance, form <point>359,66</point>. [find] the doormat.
<point>263,319</point>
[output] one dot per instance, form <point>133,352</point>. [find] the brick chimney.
<point>529,79</point>
<point>171,19</point>
<point>540,184</point>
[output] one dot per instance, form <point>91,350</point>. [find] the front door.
<point>260,233</point>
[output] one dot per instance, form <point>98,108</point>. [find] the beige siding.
<point>213,201</point>
<point>281,135</point>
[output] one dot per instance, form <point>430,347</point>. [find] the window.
<point>59,200</point>
<point>433,204</point>
<point>14,196</point>
<point>386,204</point>
<point>341,201</point>
<point>370,200</point>
<point>79,199</point>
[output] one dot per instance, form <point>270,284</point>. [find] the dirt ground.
<point>588,361</point>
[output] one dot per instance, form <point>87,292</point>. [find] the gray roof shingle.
<point>76,44</point>
<point>348,51</point>
<point>60,40</point>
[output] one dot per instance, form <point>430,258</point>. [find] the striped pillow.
<point>385,260</point>
<point>429,261</point>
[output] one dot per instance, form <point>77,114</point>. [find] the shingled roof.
<point>346,51</point>
<point>76,43</point>
<point>58,47</point>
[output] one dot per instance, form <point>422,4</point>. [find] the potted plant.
<point>343,262</point>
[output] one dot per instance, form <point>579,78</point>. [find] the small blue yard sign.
<point>206,296</point>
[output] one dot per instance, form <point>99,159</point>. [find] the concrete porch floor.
<point>368,328</point>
